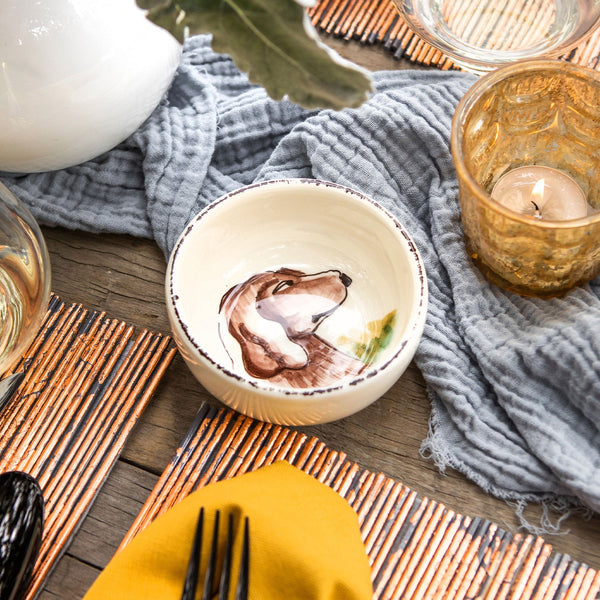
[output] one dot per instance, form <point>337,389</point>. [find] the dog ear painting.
<point>274,316</point>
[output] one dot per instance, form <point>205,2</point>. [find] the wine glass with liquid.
<point>24,279</point>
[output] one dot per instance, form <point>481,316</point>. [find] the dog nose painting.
<point>273,317</point>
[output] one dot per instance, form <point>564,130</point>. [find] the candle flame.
<point>537,195</point>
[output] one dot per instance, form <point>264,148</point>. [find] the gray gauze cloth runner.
<point>514,382</point>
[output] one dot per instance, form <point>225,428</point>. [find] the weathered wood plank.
<point>69,581</point>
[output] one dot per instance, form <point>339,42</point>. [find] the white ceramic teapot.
<point>76,78</point>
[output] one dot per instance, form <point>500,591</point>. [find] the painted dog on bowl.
<point>274,316</point>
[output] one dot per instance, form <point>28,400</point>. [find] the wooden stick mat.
<point>417,547</point>
<point>378,22</point>
<point>87,381</point>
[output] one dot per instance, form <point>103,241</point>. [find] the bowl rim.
<point>465,106</point>
<point>415,323</point>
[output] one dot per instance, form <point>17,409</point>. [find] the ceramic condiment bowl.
<point>296,301</point>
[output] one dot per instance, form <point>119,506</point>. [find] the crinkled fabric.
<point>514,382</point>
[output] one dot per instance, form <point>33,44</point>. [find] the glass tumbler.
<point>539,112</point>
<point>480,36</point>
<point>24,278</point>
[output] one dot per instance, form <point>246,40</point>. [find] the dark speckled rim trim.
<point>416,322</point>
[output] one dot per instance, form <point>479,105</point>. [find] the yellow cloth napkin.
<point>305,542</point>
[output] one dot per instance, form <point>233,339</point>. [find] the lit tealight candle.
<point>541,193</point>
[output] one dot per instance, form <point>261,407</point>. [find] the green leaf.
<point>273,42</point>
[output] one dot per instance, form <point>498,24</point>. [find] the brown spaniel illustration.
<point>274,316</point>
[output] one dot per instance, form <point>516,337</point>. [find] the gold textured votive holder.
<point>538,112</point>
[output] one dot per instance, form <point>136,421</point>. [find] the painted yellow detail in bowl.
<point>367,345</point>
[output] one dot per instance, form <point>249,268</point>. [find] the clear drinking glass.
<point>538,112</point>
<point>24,278</point>
<point>480,36</point>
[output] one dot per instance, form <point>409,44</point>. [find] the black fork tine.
<point>226,571</point>
<point>191,576</point>
<point>241,592</point>
<point>212,561</point>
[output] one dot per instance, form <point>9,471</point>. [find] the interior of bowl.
<point>297,284</point>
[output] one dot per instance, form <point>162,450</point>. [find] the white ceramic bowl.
<point>296,301</point>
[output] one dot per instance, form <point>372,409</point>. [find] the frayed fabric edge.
<point>435,448</point>
<point>547,526</point>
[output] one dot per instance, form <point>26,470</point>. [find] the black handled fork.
<point>191,579</point>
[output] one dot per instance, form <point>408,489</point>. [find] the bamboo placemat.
<point>87,380</point>
<point>417,547</point>
<point>378,22</point>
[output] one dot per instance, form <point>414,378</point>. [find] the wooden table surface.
<point>124,276</point>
